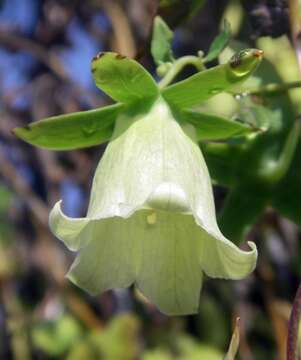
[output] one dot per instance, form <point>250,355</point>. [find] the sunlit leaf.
<point>203,85</point>
<point>161,42</point>
<point>214,127</point>
<point>122,78</point>
<point>219,43</point>
<point>71,131</point>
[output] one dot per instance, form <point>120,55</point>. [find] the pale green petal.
<point>152,151</point>
<point>163,251</point>
<point>170,274</point>
<point>174,252</point>
<point>109,260</point>
<point>74,232</point>
<point>220,258</point>
<point>158,250</point>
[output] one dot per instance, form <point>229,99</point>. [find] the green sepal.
<point>161,42</point>
<point>214,127</point>
<point>72,131</point>
<point>219,43</point>
<point>203,85</point>
<point>122,78</point>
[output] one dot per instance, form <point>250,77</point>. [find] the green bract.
<point>151,218</point>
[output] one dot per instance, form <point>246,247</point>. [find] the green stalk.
<point>178,66</point>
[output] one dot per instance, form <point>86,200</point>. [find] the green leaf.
<point>119,339</point>
<point>203,85</point>
<point>161,42</point>
<point>241,210</point>
<point>214,127</point>
<point>123,79</point>
<point>56,337</point>
<point>223,162</point>
<point>287,196</point>
<point>219,43</point>
<point>72,131</point>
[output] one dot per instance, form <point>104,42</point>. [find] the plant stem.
<point>178,66</point>
<point>272,89</point>
<point>293,327</point>
<point>275,173</point>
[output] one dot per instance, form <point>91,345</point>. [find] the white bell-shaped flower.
<point>151,219</point>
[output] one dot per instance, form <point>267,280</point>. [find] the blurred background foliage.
<point>45,51</point>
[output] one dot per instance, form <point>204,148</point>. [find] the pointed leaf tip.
<point>161,42</point>
<point>71,131</point>
<point>220,42</point>
<point>214,127</point>
<point>206,84</point>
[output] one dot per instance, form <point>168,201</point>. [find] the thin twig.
<point>123,35</point>
<point>17,41</point>
<point>18,184</point>
<point>271,89</point>
<point>234,344</point>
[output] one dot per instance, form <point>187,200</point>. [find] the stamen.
<point>151,218</point>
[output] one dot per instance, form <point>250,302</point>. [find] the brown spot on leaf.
<point>98,56</point>
<point>258,53</point>
<point>120,57</point>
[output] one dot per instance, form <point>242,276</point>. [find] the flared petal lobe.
<point>151,219</point>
